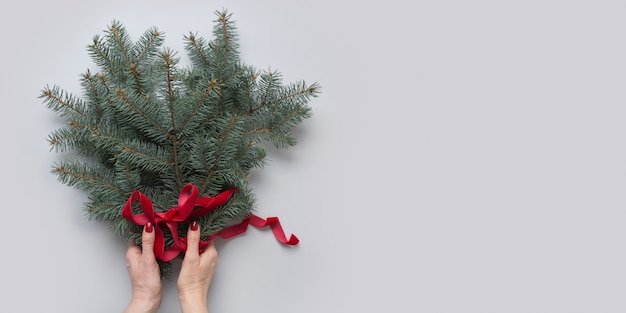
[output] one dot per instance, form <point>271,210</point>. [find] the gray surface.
<point>461,158</point>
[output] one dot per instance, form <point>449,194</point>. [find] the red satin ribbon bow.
<point>190,207</point>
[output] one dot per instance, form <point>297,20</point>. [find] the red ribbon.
<point>190,207</point>
<point>258,222</point>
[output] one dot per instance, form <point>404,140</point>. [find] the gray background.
<point>464,156</point>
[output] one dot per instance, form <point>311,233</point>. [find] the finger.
<point>147,240</point>
<point>193,239</point>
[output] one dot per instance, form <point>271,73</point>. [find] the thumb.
<point>147,240</point>
<point>193,239</point>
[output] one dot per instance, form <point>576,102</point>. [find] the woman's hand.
<point>196,273</point>
<point>145,278</point>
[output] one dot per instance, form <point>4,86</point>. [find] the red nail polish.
<point>194,225</point>
<point>149,227</point>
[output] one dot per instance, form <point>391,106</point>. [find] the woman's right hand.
<point>196,273</point>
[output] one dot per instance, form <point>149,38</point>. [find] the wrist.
<point>193,303</point>
<point>143,306</point>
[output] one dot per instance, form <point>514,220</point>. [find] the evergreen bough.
<point>147,123</point>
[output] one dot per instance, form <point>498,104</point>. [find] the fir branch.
<point>108,143</point>
<point>289,119</point>
<point>225,34</point>
<point>100,54</point>
<point>69,137</point>
<point>117,33</point>
<point>98,92</point>
<point>73,175</point>
<point>61,101</point>
<point>150,42</point>
<point>170,90</point>
<point>218,66</point>
<point>176,163</point>
<point>208,119</point>
<point>213,167</point>
<point>128,177</point>
<point>74,124</point>
<point>103,80</point>
<point>199,104</point>
<point>134,71</point>
<point>89,85</point>
<point>306,91</point>
<point>135,107</point>
<point>98,212</point>
<point>66,138</point>
<point>195,45</point>
<point>224,20</point>
<point>58,140</point>
<point>153,160</point>
<point>249,96</point>
<point>269,86</point>
<point>238,71</point>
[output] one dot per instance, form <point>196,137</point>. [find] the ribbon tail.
<point>276,228</point>
<point>234,230</point>
<point>259,222</point>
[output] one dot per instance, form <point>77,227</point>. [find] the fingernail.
<point>149,227</point>
<point>194,225</point>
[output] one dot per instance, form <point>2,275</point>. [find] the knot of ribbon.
<point>191,207</point>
